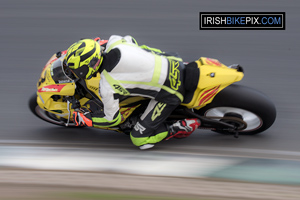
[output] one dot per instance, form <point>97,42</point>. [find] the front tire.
<point>252,106</point>
<point>45,115</point>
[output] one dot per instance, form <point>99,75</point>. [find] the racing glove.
<point>82,117</point>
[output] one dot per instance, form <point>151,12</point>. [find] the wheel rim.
<point>253,121</point>
<point>47,116</point>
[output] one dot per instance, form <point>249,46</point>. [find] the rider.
<point>127,69</point>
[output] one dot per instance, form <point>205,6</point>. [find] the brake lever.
<point>69,111</point>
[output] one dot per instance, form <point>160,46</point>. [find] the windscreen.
<point>57,72</point>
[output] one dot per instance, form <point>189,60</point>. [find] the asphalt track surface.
<point>33,30</point>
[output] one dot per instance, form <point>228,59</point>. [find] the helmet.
<point>83,58</point>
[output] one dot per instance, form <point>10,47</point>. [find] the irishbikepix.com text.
<point>238,21</point>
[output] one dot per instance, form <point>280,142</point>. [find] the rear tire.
<point>255,108</point>
<point>45,115</point>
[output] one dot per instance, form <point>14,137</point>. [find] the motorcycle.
<point>221,105</point>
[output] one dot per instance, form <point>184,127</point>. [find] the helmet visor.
<point>68,72</point>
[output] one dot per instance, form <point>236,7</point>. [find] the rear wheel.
<point>45,115</point>
<point>240,105</point>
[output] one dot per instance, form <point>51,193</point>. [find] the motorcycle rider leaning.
<point>127,69</point>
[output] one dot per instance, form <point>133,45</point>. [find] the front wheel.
<point>45,115</point>
<point>252,107</point>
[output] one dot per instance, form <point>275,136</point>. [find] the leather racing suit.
<point>131,70</point>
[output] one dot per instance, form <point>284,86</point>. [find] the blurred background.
<point>32,31</point>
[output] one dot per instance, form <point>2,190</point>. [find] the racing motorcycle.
<point>221,105</point>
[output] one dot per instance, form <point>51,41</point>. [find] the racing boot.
<point>183,128</point>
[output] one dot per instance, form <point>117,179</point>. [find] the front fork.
<point>75,105</point>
